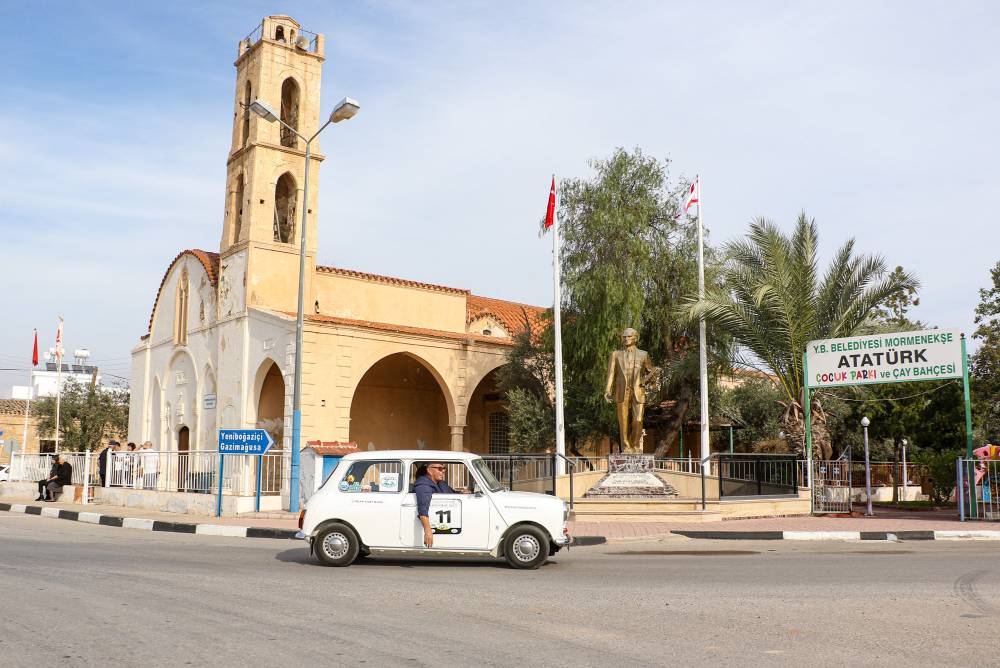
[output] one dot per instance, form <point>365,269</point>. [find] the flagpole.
<point>702,342</point>
<point>27,404</point>
<point>557,312</point>
<point>59,379</point>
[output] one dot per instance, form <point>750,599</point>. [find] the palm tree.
<point>775,303</point>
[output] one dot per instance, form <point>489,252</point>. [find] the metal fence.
<point>757,475</point>
<point>33,467</point>
<point>977,489</point>
<point>197,471</point>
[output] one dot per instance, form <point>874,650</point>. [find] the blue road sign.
<point>244,441</point>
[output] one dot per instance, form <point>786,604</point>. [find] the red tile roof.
<point>335,448</point>
<point>210,261</point>
<point>402,329</point>
<point>378,278</point>
<point>513,316</point>
<point>14,407</point>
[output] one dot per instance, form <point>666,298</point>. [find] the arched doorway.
<point>183,439</point>
<point>486,429</point>
<point>399,404</point>
<point>271,417</point>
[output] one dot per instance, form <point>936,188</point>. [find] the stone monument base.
<point>631,476</point>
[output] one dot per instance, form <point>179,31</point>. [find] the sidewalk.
<point>885,520</point>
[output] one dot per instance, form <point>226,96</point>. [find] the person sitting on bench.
<point>60,476</point>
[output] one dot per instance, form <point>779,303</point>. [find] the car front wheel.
<point>337,545</point>
<point>526,547</point>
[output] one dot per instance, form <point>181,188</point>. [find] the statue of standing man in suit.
<point>628,371</point>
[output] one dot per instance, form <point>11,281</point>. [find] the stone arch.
<point>205,439</point>
<point>181,394</point>
<point>269,401</point>
<point>485,404</point>
<point>401,401</point>
<point>285,195</point>
<point>247,99</point>
<point>239,201</point>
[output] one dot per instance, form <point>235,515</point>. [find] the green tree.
<point>753,403</point>
<point>628,260</point>
<point>87,414</point>
<point>985,363</point>
<point>775,301</point>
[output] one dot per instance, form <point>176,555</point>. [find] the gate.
<point>831,489</point>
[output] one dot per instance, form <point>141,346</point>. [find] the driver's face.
<point>436,472</point>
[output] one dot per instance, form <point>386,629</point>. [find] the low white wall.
<point>184,503</point>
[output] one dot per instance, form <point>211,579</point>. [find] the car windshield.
<point>487,476</point>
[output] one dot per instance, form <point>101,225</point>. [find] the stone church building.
<point>387,362</point>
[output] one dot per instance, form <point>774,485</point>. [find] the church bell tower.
<point>280,64</point>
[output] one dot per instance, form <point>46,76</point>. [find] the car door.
<point>369,493</point>
<point>459,521</point>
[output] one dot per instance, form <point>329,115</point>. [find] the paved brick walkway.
<point>884,520</point>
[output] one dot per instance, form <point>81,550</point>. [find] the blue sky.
<point>877,119</point>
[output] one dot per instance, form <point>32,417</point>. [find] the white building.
<point>44,382</point>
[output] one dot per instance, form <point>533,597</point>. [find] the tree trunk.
<point>793,422</point>
<point>676,422</point>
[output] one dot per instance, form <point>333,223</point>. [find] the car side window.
<point>373,476</point>
<point>458,476</point>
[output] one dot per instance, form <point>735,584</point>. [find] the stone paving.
<point>884,520</point>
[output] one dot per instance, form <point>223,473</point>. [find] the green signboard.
<point>936,354</point>
<point>885,358</point>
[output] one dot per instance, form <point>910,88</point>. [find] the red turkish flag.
<point>34,353</point>
<point>550,213</point>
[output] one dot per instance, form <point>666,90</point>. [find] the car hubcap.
<point>335,545</point>
<point>526,548</point>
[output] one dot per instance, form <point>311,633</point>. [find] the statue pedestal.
<point>630,476</point>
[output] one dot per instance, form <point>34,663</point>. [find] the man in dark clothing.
<point>102,461</point>
<point>430,481</point>
<point>60,475</point>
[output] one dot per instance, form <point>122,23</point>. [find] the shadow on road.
<point>301,556</point>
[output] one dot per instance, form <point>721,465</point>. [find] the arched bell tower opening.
<point>284,209</point>
<point>289,112</point>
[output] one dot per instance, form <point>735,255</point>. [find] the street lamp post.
<point>868,467</point>
<point>344,110</point>
<point>905,475</point>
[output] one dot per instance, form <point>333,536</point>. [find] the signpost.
<point>899,357</point>
<point>242,442</point>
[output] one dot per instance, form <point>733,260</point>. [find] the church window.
<point>499,433</point>
<point>238,210</point>
<point>289,112</point>
<point>284,209</point>
<point>246,115</point>
<point>181,310</point>
<point>279,34</point>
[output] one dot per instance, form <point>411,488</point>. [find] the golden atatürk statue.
<point>628,371</point>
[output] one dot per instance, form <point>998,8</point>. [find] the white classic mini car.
<point>367,506</point>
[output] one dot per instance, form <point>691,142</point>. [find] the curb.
<point>842,535</point>
<point>145,524</point>
<point>228,530</point>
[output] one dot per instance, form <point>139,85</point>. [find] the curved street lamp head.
<point>865,421</point>
<point>261,108</point>
<point>345,110</point>
<point>904,442</point>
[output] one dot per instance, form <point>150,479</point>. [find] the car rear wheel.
<point>337,545</point>
<point>526,547</point>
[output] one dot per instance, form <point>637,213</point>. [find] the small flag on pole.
<point>550,213</point>
<point>34,351</point>
<point>692,196</point>
<point>59,341</point>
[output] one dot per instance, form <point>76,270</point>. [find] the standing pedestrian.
<point>102,461</point>
<point>150,466</point>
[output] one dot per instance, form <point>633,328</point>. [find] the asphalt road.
<point>73,594</point>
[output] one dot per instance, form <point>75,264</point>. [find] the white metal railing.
<point>31,467</point>
<point>196,471</point>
